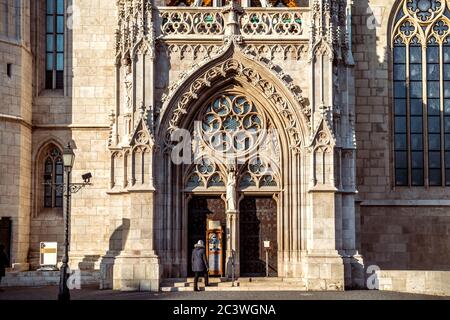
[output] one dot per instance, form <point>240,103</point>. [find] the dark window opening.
<point>9,70</point>
<point>54,76</point>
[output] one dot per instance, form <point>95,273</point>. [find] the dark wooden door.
<point>200,210</point>
<point>5,235</point>
<point>258,223</point>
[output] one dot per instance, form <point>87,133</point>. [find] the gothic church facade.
<point>322,126</point>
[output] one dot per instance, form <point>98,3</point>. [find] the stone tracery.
<point>232,67</point>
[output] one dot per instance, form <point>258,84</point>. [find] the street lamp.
<point>68,159</point>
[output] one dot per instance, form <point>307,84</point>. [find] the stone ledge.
<point>45,278</point>
<point>406,203</point>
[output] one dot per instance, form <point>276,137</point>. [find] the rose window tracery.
<point>231,124</point>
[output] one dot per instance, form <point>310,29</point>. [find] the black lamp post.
<point>68,159</point>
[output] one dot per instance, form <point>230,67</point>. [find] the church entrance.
<point>258,223</point>
<point>201,211</point>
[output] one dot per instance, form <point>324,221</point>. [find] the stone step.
<point>243,284</point>
<point>236,288</point>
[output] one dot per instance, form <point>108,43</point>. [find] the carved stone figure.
<point>128,81</point>
<point>231,191</point>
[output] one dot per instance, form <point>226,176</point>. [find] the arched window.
<point>54,26</point>
<point>421,90</point>
<point>54,178</point>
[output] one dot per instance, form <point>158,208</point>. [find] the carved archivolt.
<point>236,69</point>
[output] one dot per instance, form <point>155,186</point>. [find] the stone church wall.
<point>404,231</point>
<point>15,124</point>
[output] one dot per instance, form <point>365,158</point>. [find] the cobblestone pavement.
<point>92,293</point>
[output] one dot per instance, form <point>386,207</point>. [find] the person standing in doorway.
<point>199,264</point>
<point>4,262</point>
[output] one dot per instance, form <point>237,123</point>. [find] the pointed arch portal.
<point>249,125</point>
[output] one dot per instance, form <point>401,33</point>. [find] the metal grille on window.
<point>54,44</point>
<point>421,92</point>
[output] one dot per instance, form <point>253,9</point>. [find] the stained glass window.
<point>421,93</point>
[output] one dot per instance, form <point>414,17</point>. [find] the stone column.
<point>232,238</point>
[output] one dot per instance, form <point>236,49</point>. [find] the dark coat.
<point>4,262</point>
<point>199,263</point>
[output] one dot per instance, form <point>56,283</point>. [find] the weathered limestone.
<point>404,231</point>
<point>15,125</point>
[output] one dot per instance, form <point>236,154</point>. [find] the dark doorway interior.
<point>200,210</point>
<point>258,223</point>
<point>5,235</point>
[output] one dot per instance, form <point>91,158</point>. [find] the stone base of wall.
<point>420,282</point>
<point>324,273</point>
<point>130,273</point>
<point>45,278</point>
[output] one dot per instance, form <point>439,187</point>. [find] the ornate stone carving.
<point>134,26</point>
<point>324,136</point>
<point>112,129</point>
<point>329,29</point>
<point>259,172</point>
<point>192,22</point>
<point>267,22</point>
<point>231,191</point>
<point>128,85</point>
<point>237,69</point>
<point>134,36</point>
<point>205,174</point>
<point>268,51</point>
<point>196,51</point>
